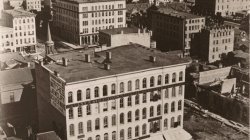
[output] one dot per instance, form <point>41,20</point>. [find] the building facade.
<point>33,5</point>
<point>7,39</point>
<point>216,42</point>
<point>24,29</point>
<point>146,103</point>
<point>174,30</point>
<point>79,21</point>
<point>222,7</point>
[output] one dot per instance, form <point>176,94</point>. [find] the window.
<point>70,97</point>
<point>79,111</point>
<point>89,128</point>
<point>172,122</point>
<point>113,135</point>
<point>179,105</point>
<point>181,76</point>
<point>129,85</point>
<point>159,80</point>
<point>113,89</point>
<point>158,109</point>
<point>79,95</point>
<point>151,127</point>
<point>98,137</point>
<point>144,129</point>
<point>137,84</point>
<point>129,133</point>
<point>173,77</point>
<point>71,116</point>
<point>144,97</point>
<point>122,134</point>
<point>151,111</point>
<point>121,103</point>
<point>88,93</point>
<point>105,106</point>
<point>166,93</point>
<point>137,99</point>
<point>179,120</point>
<point>80,128</point>
<point>71,130</point>
<point>88,108</point>
<point>120,19</point>
<point>113,120</point>
<point>137,115</point>
<point>105,90</point>
<point>166,123</point>
<point>122,118</point>
<point>105,122</point>
<point>152,81</point>
<point>113,104</point>
<point>166,79</point>
<point>12,97</point>
<point>121,87</point>
<point>173,92</point>
<point>129,116</point>
<point>166,108</point>
<point>137,131</point>
<point>90,138</point>
<point>225,47</point>
<point>151,96</point>
<point>144,113</point>
<point>180,90</point>
<point>106,136</point>
<point>172,106</point>
<point>129,101</point>
<point>97,124</point>
<point>144,83</point>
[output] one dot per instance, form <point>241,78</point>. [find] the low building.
<point>124,36</point>
<point>51,135</point>
<point>7,39</point>
<point>16,4</point>
<point>32,5</point>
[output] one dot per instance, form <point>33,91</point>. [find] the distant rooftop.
<point>127,58</point>
<point>88,1</point>
<point>19,13</point>
<point>126,30</point>
<point>51,135</point>
<point>4,29</point>
<point>183,15</point>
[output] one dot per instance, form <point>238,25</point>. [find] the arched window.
<point>166,123</point>
<point>79,95</point>
<point>144,83</point>
<point>70,97</point>
<point>151,111</point>
<point>105,90</point>
<point>129,116</point>
<point>166,79</point>
<point>144,129</point>
<point>88,93</point>
<point>80,128</point>
<point>121,103</point>
<point>97,124</point>
<point>180,90</point>
<point>113,135</point>
<point>71,130</point>
<point>144,113</point>
<point>129,85</point>
<point>113,89</point>
<point>181,76</point>
<point>179,120</point>
<point>105,122</point>
<point>137,132</point>
<point>173,92</point>
<point>96,91</point>
<point>159,80</point>
<point>179,105</point>
<point>98,137</point>
<point>137,84</point>
<point>129,101</point>
<point>122,134</point>
<point>106,136</point>
<point>89,127</point>
<point>152,96</point>
<point>173,106</point>
<point>172,122</point>
<point>137,99</point>
<point>71,115</point>
<point>152,81</point>
<point>166,93</point>
<point>121,87</point>
<point>151,127</point>
<point>122,118</point>
<point>113,120</point>
<point>166,108</point>
<point>144,97</point>
<point>158,109</point>
<point>88,108</point>
<point>137,115</point>
<point>129,133</point>
<point>173,77</point>
<point>79,111</point>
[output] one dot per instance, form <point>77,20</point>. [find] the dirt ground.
<point>202,128</point>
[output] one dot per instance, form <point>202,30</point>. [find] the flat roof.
<point>4,29</point>
<point>19,13</point>
<point>88,1</point>
<point>127,58</point>
<point>126,30</point>
<point>174,13</point>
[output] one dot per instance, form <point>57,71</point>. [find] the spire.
<point>49,44</point>
<point>49,39</point>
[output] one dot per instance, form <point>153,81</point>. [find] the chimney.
<point>107,66</point>
<point>28,64</point>
<point>65,61</point>
<point>87,58</point>
<point>139,30</point>
<point>41,62</point>
<point>144,30</point>
<point>152,59</point>
<point>56,74</point>
<point>108,56</point>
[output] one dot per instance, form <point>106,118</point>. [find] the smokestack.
<point>65,61</point>
<point>152,59</point>
<point>107,66</point>
<point>108,56</point>
<point>87,58</point>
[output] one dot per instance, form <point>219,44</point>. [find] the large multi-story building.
<point>24,29</point>
<point>215,42</point>
<point>222,7</point>
<point>79,21</point>
<point>6,39</point>
<point>137,93</point>
<point>174,30</point>
<point>33,5</point>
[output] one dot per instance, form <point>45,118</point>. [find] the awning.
<point>157,137</point>
<point>177,134</point>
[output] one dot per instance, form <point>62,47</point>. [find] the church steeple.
<point>49,44</point>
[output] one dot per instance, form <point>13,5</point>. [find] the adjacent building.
<point>24,30</point>
<point>7,39</point>
<point>32,5</point>
<point>174,30</point>
<point>79,21</point>
<point>114,94</point>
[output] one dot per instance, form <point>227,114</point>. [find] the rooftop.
<point>126,30</point>
<point>88,1</point>
<point>18,13</point>
<point>171,12</point>
<point>127,58</point>
<point>4,29</point>
<point>51,135</point>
